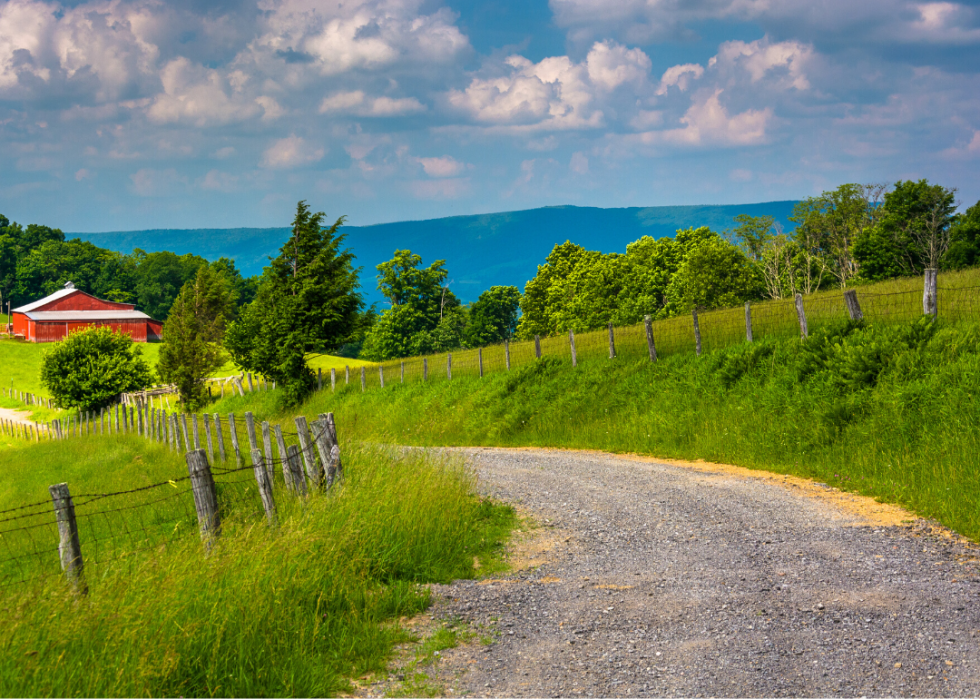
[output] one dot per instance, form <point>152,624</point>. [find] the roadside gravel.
<point>660,580</point>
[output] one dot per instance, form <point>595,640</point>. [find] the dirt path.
<point>18,416</point>
<point>656,579</point>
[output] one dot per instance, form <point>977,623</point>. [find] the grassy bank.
<point>295,610</point>
<point>889,411</point>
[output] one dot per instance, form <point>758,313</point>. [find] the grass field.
<point>293,610</point>
<point>888,410</point>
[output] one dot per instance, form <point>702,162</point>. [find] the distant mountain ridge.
<point>480,250</point>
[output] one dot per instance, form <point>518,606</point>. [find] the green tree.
<point>493,316</point>
<point>964,246</point>
<point>425,316</point>
<point>307,300</point>
<point>193,333</point>
<point>160,277</point>
<point>714,274</point>
<point>90,368</point>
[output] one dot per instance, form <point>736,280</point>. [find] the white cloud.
<point>446,166</point>
<point>200,96</point>
<point>290,152</point>
<point>223,153</point>
<point>707,122</point>
<point>358,104</point>
<point>83,174</point>
<point>610,65</point>
<point>579,164</point>
<point>217,181</point>
<point>342,102</point>
<point>272,110</point>
<point>761,58</point>
<point>388,106</point>
<point>441,188</point>
<point>679,76</point>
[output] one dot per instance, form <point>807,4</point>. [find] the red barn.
<point>67,310</point>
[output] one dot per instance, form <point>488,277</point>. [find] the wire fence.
<point>118,529</point>
<point>957,298</point>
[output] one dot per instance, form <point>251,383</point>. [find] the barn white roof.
<point>87,315</point>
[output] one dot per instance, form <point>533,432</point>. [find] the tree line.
<point>309,299</point>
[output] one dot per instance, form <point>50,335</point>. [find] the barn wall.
<point>48,332</point>
<point>82,302</point>
<point>20,324</point>
<point>154,330</point>
<point>53,331</point>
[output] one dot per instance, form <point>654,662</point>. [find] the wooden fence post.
<point>425,368</point>
<point>801,315</point>
<point>219,437</point>
<point>251,387</point>
<point>403,371</point>
<point>853,307</point>
<point>651,347</point>
<point>117,418</point>
<point>197,434</point>
<point>265,486</point>
<point>306,446</point>
<point>479,356</point>
<point>507,353</point>
<point>234,439</point>
<point>267,444</point>
<point>381,374</point>
<point>299,482</point>
<point>319,379</point>
<point>321,437</point>
<point>253,441</point>
<point>175,425</point>
<point>748,321</point>
<point>139,422</point>
<point>183,428</point>
<point>69,547</point>
<point>281,445</point>
<point>207,432</point>
<point>537,347</point>
<point>612,343</point>
<point>333,379</point>
<point>571,343</point>
<point>205,497</point>
<point>449,365</point>
<point>697,332</point>
<point>347,374</point>
<point>929,294</point>
<point>363,380</point>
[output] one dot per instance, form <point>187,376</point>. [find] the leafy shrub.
<point>90,368</point>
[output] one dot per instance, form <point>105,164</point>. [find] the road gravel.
<point>652,579</point>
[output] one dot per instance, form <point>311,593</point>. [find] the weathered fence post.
<point>363,380</point>
<point>612,343</point>
<point>306,445</point>
<point>929,294</point>
<point>801,315</point>
<point>479,356</point>
<point>117,418</point>
<point>205,497</point>
<point>265,486</point>
<point>197,434</point>
<point>139,422</point>
<point>253,441</point>
<point>267,445</point>
<point>207,432</point>
<point>571,343</point>
<point>251,387</point>
<point>507,353</point>
<point>299,482</point>
<point>748,321</point>
<point>449,365</point>
<point>175,429</point>
<point>425,368</point>
<point>651,347</point>
<point>853,307</point>
<point>69,547</point>
<point>381,374</point>
<point>319,379</point>
<point>234,439</point>
<point>347,374</point>
<point>537,347</point>
<point>183,428</point>
<point>335,447</point>
<point>697,332</point>
<point>333,379</point>
<point>403,371</point>
<point>219,437</point>
<point>280,444</point>
<point>326,445</point>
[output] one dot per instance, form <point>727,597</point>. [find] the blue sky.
<point>118,114</point>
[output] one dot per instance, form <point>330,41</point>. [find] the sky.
<point>136,114</point>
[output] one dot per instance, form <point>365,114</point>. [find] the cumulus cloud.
<point>555,93</point>
<point>679,76</point>
<point>763,58</point>
<point>446,166</point>
<point>707,122</point>
<point>290,152</point>
<point>357,103</point>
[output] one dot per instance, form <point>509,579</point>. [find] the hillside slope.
<point>480,251</point>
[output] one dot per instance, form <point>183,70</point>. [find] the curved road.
<point>649,579</point>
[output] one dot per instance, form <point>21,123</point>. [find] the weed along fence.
<point>102,531</point>
<point>957,297</point>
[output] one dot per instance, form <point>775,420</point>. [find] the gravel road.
<point>656,579</point>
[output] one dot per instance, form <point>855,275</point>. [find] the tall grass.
<point>887,410</point>
<point>294,610</point>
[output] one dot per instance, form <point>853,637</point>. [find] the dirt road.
<point>651,579</point>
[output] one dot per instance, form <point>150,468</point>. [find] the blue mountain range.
<point>480,251</point>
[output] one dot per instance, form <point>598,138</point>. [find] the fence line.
<point>701,331</point>
<point>98,529</point>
